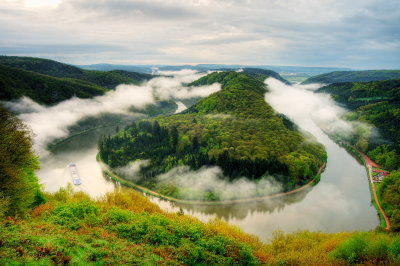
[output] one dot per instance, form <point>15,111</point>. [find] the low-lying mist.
<point>49,123</point>
<point>194,185</point>
<point>305,107</point>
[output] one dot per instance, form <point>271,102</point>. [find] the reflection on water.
<point>340,202</point>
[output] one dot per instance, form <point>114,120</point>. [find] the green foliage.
<point>358,94</point>
<point>105,79</point>
<point>362,247</point>
<point>15,83</point>
<point>262,74</point>
<point>125,228</point>
<point>87,232</point>
<point>76,214</point>
<point>19,185</point>
<point>354,76</point>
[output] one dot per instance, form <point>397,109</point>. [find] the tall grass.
<point>123,227</point>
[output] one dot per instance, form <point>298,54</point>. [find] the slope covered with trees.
<point>262,74</point>
<point>375,109</point>
<point>108,79</point>
<point>353,76</point>
<point>233,128</point>
<point>15,83</point>
<point>19,187</point>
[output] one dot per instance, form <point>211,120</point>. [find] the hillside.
<point>109,79</point>
<point>375,108</point>
<point>15,83</point>
<point>262,74</point>
<point>353,76</point>
<point>233,128</point>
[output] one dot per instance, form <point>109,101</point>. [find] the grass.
<point>125,228</point>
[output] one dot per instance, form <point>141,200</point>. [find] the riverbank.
<point>237,201</point>
<point>368,167</point>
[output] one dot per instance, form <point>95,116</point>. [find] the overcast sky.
<point>363,34</point>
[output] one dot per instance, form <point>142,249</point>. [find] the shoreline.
<point>368,168</point>
<point>191,202</point>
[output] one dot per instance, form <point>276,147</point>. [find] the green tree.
<point>19,185</point>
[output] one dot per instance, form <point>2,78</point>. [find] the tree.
<point>175,136</point>
<point>19,185</point>
<point>195,144</point>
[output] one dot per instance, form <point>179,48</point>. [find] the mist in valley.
<point>50,123</point>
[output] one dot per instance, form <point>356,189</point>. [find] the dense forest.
<point>15,83</point>
<point>233,128</point>
<point>262,74</point>
<point>375,108</point>
<point>108,80</point>
<point>353,76</point>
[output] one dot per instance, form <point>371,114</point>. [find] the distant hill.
<point>15,83</point>
<point>108,80</point>
<point>354,76</point>
<point>309,71</point>
<point>262,74</point>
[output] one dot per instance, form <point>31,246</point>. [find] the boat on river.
<point>74,174</point>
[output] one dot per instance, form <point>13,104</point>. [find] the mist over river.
<point>341,201</point>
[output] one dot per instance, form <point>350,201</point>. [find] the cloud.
<point>171,87</point>
<point>52,122</point>
<point>324,33</point>
<point>181,107</point>
<point>305,107</point>
<point>131,171</point>
<point>211,179</point>
<point>49,123</point>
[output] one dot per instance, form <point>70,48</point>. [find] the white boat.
<point>74,174</point>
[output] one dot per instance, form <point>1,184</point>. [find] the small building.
<point>379,177</point>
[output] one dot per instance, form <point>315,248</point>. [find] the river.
<point>340,202</point>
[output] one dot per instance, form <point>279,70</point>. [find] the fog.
<point>50,123</point>
<point>170,84</point>
<point>181,107</point>
<point>211,179</point>
<point>305,107</point>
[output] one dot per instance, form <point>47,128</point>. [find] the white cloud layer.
<point>49,123</point>
<point>304,106</point>
<point>340,33</point>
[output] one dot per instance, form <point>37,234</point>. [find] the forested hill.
<point>356,94</point>
<point>262,74</point>
<point>376,103</point>
<point>15,83</point>
<point>354,76</point>
<point>233,128</point>
<point>109,79</point>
